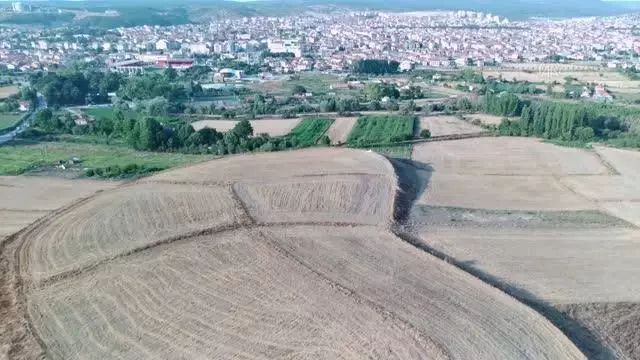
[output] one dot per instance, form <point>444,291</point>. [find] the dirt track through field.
<point>144,271</point>
<point>340,129</point>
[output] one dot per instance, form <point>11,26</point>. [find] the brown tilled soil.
<point>616,324</point>
<point>179,266</point>
<point>447,125</point>
<point>340,129</point>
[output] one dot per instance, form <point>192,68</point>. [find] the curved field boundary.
<point>24,337</point>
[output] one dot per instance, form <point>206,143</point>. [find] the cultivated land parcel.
<point>333,253</point>
<point>300,261</point>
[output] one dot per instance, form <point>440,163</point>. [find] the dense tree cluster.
<point>76,88</point>
<point>559,120</point>
<point>375,67</point>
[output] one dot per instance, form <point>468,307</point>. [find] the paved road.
<point>25,124</point>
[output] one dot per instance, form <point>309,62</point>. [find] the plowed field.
<point>212,262</point>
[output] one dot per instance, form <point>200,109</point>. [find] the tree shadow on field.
<point>413,179</point>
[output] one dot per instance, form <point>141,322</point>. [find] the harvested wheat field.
<point>123,220</point>
<point>273,127</point>
<point>362,199</point>
<point>280,165</point>
<point>616,322</point>
<point>212,261</point>
<point>45,193</point>
<point>26,199</point>
<point>447,125</point>
<point>501,193</point>
<point>13,220</point>
<point>507,156</point>
<point>561,266</point>
<point>625,162</point>
<point>340,129</point>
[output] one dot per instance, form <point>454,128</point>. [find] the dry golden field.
<point>447,125</point>
<point>7,91</point>
<point>25,199</point>
<point>552,225</point>
<point>279,255</point>
<point>339,130</point>
<point>273,127</point>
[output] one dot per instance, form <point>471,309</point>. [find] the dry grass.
<point>447,125</point>
<point>507,156</point>
<point>626,162</point>
<point>120,221</point>
<point>486,119</point>
<point>6,91</point>
<point>273,127</point>
<point>438,299</point>
<point>616,325</point>
<point>280,165</point>
<point>561,266</point>
<point>227,296</point>
<point>340,129</point>
<point>173,267</point>
<point>501,192</point>
<point>45,193</point>
<point>361,199</point>
<point>13,220</point>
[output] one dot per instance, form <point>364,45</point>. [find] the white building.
<point>162,44</point>
<point>199,49</point>
<point>285,46</point>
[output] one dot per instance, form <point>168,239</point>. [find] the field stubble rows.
<point>292,291</point>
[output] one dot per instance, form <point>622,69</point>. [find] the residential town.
<point>332,42</point>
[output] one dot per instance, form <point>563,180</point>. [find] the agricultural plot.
<point>340,129</point>
<point>179,265</point>
<point>273,127</point>
<point>6,91</point>
<point>12,221</point>
<point>362,199</point>
<point>507,156</point>
<point>44,193</point>
<point>447,125</point>
<point>426,292</point>
<point>625,162</point>
<point>561,266</point>
<point>500,192</point>
<point>485,119</point>
<point>218,297</point>
<point>309,131</point>
<point>282,165</point>
<point>19,158</point>
<point>123,220</point>
<point>376,129</point>
<point>9,120</point>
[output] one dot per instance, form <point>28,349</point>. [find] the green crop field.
<point>309,130</point>
<point>380,129</point>
<point>9,120</point>
<point>20,158</point>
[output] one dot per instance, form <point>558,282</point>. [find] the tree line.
<point>559,120</point>
<point>375,67</point>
